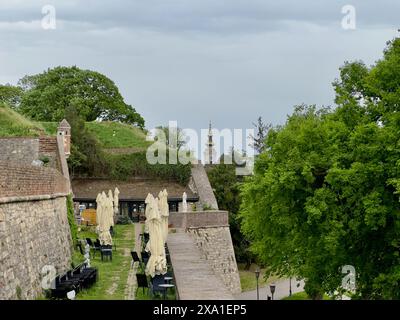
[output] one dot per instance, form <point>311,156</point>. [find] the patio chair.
<point>145,257</point>
<point>142,281</point>
<point>135,258</point>
<point>96,247</point>
<point>106,251</point>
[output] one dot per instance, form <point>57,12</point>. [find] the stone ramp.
<point>194,277</point>
<point>203,186</point>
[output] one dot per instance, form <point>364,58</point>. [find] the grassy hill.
<point>111,135</point>
<point>118,135</point>
<point>12,124</point>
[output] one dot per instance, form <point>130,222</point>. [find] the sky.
<point>192,61</point>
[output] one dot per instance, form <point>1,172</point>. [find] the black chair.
<point>142,281</point>
<point>106,251</point>
<point>135,258</point>
<point>145,257</point>
<point>96,247</point>
<point>79,246</point>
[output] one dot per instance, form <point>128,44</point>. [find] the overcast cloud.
<point>200,60</point>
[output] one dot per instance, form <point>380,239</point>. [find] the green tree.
<point>325,192</point>
<point>226,184</point>
<point>47,95</point>
<point>87,157</point>
<point>10,95</point>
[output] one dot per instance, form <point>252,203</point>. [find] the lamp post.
<point>290,286</point>
<point>257,272</point>
<point>272,288</point>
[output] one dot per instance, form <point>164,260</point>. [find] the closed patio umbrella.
<point>164,212</point>
<point>116,200</point>
<point>103,219</point>
<point>157,263</point>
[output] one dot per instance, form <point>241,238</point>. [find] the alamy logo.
<point>349,280</point>
<point>49,19</point>
<point>172,145</point>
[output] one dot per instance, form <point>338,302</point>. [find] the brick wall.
<point>26,180</point>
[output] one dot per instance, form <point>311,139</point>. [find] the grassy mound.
<point>118,135</point>
<point>12,124</point>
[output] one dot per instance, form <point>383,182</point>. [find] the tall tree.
<point>325,192</point>
<point>10,95</point>
<point>261,134</point>
<point>93,95</point>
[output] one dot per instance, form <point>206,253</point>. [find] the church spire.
<point>210,145</point>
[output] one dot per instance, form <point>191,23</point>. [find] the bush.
<point>124,220</point>
<point>71,219</point>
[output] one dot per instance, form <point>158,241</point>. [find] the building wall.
<point>34,229</point>
<point>21,150</point>
<point>215,244</point>
<point>203,187</point>
<point>33,234</point>
<point>211,233</point>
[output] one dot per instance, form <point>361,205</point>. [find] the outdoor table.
<point>168,279</point>
<point>166,286</point>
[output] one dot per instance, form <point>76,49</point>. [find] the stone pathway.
<point>131,286</point>
<point>281,290</point>
<point>194,277</point>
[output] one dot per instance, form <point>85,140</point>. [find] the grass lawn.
<point>113,275</point>
<point>118,135</point>
<point>248,278</point>
<point>303,296</point>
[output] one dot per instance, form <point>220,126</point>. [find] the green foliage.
<point>87,156</point>
<point>71,219</point>
<point>135,164</point>
<point>10,95</point>
<point>47,96</point>
<point>124,220</point>
<point>325,192</point>
<point>226,184</point>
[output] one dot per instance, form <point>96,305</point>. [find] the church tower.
<point>209,153</point>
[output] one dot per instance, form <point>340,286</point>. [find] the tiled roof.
<point>138,189</point>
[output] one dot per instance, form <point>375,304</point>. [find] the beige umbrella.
<point>148,201</point>
<point>103,220</point>
<point>157,263</point>
<point>116,200</point>
<point>164,212</point>
<point>110,211</point>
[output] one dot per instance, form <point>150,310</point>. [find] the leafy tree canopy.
<point>94,96</point>
<point>325,192</point>
<point>10,95</point>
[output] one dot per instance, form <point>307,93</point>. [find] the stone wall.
<point>195,219</point>
<point>34,229</point>
<point>33,234</point>
<point>211,233</point>
<point>24,150</point>
<point>215,244</point>
<point>21,150</point>
<point>203,187</point>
